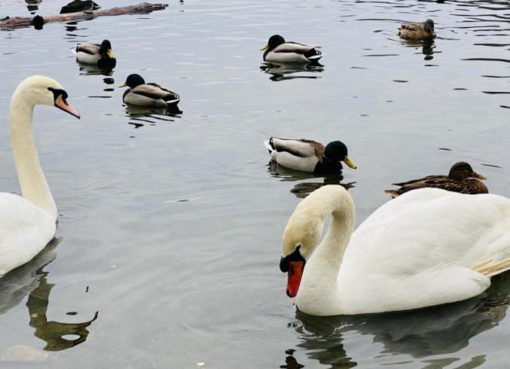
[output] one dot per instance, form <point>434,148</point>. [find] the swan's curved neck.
<point>330,251</point>
<point>34,186</point>
<point>319,282</point>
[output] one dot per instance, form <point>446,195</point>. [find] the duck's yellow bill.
<point>123,85</point>
<point>479,176</point>
<point>349,163</point>
<point>109,52</point>
<point>264,47</point>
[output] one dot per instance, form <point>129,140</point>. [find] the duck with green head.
<point>149,95</point>
<point>308,155</point>
<point>278,50</point>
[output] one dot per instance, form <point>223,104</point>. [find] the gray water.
<point>170,226</point>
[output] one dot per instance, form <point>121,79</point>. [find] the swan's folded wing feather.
<point>446,235</point>
<point>25,230</point>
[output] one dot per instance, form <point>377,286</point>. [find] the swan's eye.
<point>294,256</point>
<point>58,92</point>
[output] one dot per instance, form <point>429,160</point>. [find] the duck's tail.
<point>267,144</point>
<point>392,193</point>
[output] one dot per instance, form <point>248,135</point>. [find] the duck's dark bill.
<point>294,277</point>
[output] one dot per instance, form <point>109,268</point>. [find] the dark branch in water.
<point>17,22</point>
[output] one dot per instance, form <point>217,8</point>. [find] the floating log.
<point>17,22</point>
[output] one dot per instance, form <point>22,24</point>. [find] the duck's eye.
<point>294,256</point>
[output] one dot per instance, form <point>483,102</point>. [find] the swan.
<point>278,50</point>
<point>28,222</point>
<point>427,247</point>
<point>462,178</point>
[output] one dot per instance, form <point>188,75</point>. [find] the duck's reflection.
<point>303,189</point>
<point>94,70</point>
<point>31,279</point>
<point>421,333</point>
<point>33,5</point>
<point>427,47</point>
<point>282,71</point>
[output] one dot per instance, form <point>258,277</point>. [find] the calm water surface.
<point>169,236</point>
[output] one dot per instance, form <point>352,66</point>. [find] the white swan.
<point>427,247</point>
<point>28,223</point>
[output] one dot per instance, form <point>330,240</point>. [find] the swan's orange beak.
<point>294,277</point>
<point>63,105</point>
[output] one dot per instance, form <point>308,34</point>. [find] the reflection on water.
<point>421,333</point>
<point>30,279</point>
<point>303,189</point>
<point>93,70</point>
<point>286,71</point>
<point>57,335</point>
<point>140,116</point>
<point>290,361</point>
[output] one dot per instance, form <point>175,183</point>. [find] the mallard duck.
<point>79,6</point>
<point>100,55</point>
<point>147,94</point>
<point>279,51</point>
<point>308,156</point>
<point>417,30</point>
<point>427,247</point>
<point>461,179</point>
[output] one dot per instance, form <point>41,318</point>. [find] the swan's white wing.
<point>420,249</point>
<point>25,230</point>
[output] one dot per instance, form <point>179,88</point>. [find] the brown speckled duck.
<point>417,30</point>
<point>461,179</point>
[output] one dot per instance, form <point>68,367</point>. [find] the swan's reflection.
<point>421,333</point>
<point>283,71</point>
<point>58,336</point>
<point>303,189</point>
<point>31,279</point>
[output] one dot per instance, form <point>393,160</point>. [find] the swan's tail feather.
<point>490,268</point>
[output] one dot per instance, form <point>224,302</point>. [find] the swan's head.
<point>337,151</point>
<point>274,41</point>
<point>463,170</point>
<point>303,233</point>
<point>40,90</point>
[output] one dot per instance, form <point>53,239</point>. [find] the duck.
<point>278,50</point>
<point>147,94</point>
<point>96,54</point>
<point>461,178</point>
<point>28,222</point>
<point>427,247</point>
<point>79,6</point>
<point>417,30</point>
<point>308,155</point>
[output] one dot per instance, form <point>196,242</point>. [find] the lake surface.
<point>170,226</point>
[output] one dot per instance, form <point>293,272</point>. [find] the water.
<point>170,225</point>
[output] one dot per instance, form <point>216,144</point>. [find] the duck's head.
<point>133,80</point>
<point>274,41</point>
<point>106,49</point>
<point>337,151</point>
<point>429,25</point>
<point>40,90</point>
<point>463,170</point>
